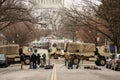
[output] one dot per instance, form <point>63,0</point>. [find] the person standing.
<point>38,59</point>
<point>21,57</point>
<point>66,58</point>
<point>34,59</point>
<point>44,58</point>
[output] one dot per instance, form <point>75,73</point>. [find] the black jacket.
<point>33,58</point>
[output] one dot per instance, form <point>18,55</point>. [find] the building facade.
<point>49,3</point>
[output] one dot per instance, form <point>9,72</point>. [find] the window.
<point>29,49</point>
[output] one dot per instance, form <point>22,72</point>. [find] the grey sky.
<point>70,2</point>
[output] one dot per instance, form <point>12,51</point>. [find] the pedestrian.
<point>21,54</point>
<point>38,59</point>
<point>66,58</point>
<point>44,58</point>
<point>34,59</point>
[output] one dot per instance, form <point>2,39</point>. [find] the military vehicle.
<point>11,52</point>
<point>87,51</point>
<point>55,52</point>
<point>27,50</point>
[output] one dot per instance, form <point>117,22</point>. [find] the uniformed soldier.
<point>66,58</point>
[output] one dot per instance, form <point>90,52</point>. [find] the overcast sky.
<point>70,2</point>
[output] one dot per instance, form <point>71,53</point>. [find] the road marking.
<point>53,77</point>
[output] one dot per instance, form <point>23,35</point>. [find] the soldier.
<point>34,59</point>
<point>44,58</point>
<point>66,58</point>
<point>38,59</point>
<point>21,57</point>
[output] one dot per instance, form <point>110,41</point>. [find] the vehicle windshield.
<point>30,50</point>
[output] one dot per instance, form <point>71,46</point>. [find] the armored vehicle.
<point>87,51</point>
<point>11,52</point>
<point>27,50</point>
<point>55,53</point>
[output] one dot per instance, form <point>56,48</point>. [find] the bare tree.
<point>73,23</point>
<point>107,19</point>
<point>50,19</point>
<point>19,33</point>
<point>17,21</point>
<point>97,18</point>
<point>40,32</point>
<point>14,11</point>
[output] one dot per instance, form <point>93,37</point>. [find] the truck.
<point>11,52</point>
<point>87,51</point>
<point>27,50</point>
<point>55,52</point>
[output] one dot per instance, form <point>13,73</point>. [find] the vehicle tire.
<point>76,61</point>
<point>6,64</point>
<point>27,61</point>
<point>102,62</point>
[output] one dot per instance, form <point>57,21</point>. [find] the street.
<point>86,74</point>
<point>14,73</point>
<point>59,72</point>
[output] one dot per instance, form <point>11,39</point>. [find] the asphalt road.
<point>59,72</point>
<point>14,72</point>
<point>86,74</point>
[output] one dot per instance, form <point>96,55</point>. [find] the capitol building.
<point>48,10</point>
<point>49,3</point>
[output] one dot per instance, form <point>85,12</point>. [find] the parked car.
<point>3,60</point>
<point>113,62</point>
